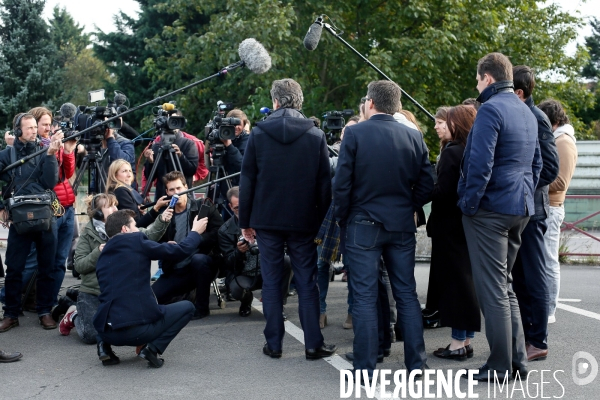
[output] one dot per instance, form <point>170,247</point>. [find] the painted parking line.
<point>579,311</point>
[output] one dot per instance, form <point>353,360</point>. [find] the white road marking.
<point>570,300</point>
<point>579,311</point>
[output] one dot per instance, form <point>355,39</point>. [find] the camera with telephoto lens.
<point>252,247</point>
<point>94,117</point>
<point>334,122</point>
<point>220,128</point>
<point>166,122</point>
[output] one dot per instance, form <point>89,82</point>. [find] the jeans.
<point>350,291</point>
<point>87,305</point>
<point>63,233</point>
<point>303,256</point>
<point>366,242</point>
<point>18,247</point>
<point>461,335</point>
<point>323,277</point>
<point>551,246</point>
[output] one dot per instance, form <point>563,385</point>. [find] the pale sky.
<point>100,13</point>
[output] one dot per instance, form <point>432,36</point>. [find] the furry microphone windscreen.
<point>254,55</point>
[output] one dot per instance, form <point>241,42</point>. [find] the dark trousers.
<point>18,247</point>
<point>303,256</point>
<point>494,240</point>
<point>197,275</point>
<point>383,311</point>
<point>530,284</point>
<point>366,242</point>
<point>156,335</point>
<point>63,231</point>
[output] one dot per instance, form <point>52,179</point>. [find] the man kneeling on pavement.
<point>199,269</point>
<point>128,314</point>
<point>242,260</point>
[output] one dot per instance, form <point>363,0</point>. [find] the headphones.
<point>17,131</point>
<point>98,214</point>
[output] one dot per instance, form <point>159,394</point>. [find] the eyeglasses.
<point>235,208</point>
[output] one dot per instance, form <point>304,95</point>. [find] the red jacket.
<point>66,169</point>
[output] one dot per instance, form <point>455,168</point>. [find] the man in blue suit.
<point>383,176</point>
<point>129,314</point>
<point>500,171</point>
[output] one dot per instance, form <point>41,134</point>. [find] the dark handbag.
<point>31,213</point>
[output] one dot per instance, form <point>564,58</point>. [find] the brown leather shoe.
<point>47,322</point>
<point>9,357</point>
<point>8,323</point>
<point>533,353</point>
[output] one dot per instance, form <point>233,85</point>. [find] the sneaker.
<point>66,324</point>
<point>551,319</point>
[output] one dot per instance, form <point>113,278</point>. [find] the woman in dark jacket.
<point>118,182</point>
<point>458,306</point>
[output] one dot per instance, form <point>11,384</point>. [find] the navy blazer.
<point>123,271</point>
<point>502,161</point>
<point>383,171</point>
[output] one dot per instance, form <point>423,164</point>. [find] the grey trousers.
<point>493,240</point>
<point>87,305</point>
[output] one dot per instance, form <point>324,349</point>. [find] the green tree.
<point>68,37</point>
<point>592,69</point>
<point>29,74</point>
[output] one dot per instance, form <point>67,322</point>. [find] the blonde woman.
<point>118,182</point>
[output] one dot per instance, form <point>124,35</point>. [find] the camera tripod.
<point>91,162</point>
<point>216,171</point>
<point>164,149</point>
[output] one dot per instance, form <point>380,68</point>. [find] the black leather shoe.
<point>245,310</point>
<point>458,354</point>
<point>325,350</point>
<point>152,357</point>
<point>387,352</point>
<point>522,371</point>
<point>273,354</point>
<point>200,314</point>
<point>6,357</point>
<point>113,359</point>
<point>483,374</point>
<point>104,351</point>
<point>350,357</point>
<point>469,349</point>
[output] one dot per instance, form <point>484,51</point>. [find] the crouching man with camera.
<point>129,314</point>
<point>29,201</point>
<point>242,260</point>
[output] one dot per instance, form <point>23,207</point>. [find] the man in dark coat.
<point>500,170</point>
<point>129,314</point>
<point>198,270</point>
<point>383,176</point>
<point>529,273</point>
<point>33,177</point>
<point>285,191</point>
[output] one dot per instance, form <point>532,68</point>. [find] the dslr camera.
<point>253,247</point>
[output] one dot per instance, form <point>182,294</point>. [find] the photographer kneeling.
<point>242,260</point>
<point>128,314</point>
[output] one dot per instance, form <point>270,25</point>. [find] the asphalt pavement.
<point>220,357</point>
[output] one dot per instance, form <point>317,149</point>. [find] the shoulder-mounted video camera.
<point>334,122</point>
<point>221,128</point>
<point>95,116</point>
<point>167,121</point>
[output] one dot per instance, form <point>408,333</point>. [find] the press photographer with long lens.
<point>171,151</point>
<point>242,260</point>
<point>35,179</point>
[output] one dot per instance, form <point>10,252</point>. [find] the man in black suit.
<point>129,314</point>
<point>383,176</point>
<point>285,191</point>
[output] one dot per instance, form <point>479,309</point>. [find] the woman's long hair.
<point>112,183</point>
<point>460,119</point>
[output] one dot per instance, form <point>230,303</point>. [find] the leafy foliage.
<point>29,73</point>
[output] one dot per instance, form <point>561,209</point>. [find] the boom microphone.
<point>68,110</point>
<point>254,56</point>
<point>311,40</point>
